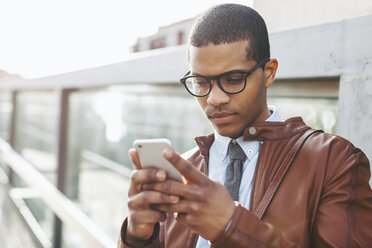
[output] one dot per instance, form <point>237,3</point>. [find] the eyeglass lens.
<point>230,83</point>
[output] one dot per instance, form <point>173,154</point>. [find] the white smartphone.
<point>150,153</point>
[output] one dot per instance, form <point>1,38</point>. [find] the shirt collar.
<point>250,148</point>
<point>274,115</point>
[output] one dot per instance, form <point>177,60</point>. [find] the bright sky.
<point>45,37</point>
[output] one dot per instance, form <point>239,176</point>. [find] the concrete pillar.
<point>355,111</point>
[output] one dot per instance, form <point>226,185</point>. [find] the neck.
<point>264,115</point>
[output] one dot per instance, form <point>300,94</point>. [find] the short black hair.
<point>227,23</point>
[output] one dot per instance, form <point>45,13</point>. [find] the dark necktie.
<point>234,169</point>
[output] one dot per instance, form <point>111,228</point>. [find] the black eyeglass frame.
<point>218,77</point>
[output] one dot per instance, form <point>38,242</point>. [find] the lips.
<point>221,118</point>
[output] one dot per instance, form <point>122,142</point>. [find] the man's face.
<point>231,114</point>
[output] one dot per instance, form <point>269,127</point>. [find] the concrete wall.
<point>288,14</point>
<point>355,119</point>
<point>327,50</point>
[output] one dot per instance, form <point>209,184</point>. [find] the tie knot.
<point>235,151</point>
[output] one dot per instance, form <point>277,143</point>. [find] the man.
<point>257,181</point>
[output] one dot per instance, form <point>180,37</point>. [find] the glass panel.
<point>72,238</point>
<point>102,196</point>
<point>35,139</point>
<point>318,113</point>
<point>4,171</point>
<point>35,130</point>
<point>6,108</point>
<point>105,124</point>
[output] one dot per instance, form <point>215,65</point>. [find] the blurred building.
<point>170,35</point>
<point>7,77</point>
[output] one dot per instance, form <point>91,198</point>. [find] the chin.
<point>229,132</point>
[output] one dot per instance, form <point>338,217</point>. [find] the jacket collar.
<point>260,131</point>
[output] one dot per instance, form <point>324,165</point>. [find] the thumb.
<point>134,157</point>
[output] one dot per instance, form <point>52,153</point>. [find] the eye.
<point>235,78</point>
<point>197,85</point>
<point>200,82</point>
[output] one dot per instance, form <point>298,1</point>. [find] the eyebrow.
<point>198,74</point>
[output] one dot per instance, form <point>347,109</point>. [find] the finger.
<point>148,175</point>
<point>146,216</point>
<point>171,187</point>
<point>188,220</point>
<point>184,166</point>
<point>181,207</point>
<point>135,159</point>
<point>145,198</point>
<point>191,221</point>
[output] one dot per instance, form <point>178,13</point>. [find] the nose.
<point>217,97</point>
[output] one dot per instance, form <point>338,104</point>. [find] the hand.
<point>205,207</point>
<point>141,218</point>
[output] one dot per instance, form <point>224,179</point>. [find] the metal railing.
<point>61,206</point>
<point>165,67</point>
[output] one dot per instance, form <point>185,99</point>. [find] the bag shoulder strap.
<point>287,162</point>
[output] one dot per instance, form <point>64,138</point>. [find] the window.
<point>180,38</point>
<point>158,43</point>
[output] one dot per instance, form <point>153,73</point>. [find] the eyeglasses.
<point>230,82</point>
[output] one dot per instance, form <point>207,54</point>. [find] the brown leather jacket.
<point>308,192</point>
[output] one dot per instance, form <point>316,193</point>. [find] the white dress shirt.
<point>219,159</point>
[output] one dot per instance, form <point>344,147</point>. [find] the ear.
<point>270,72</point>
